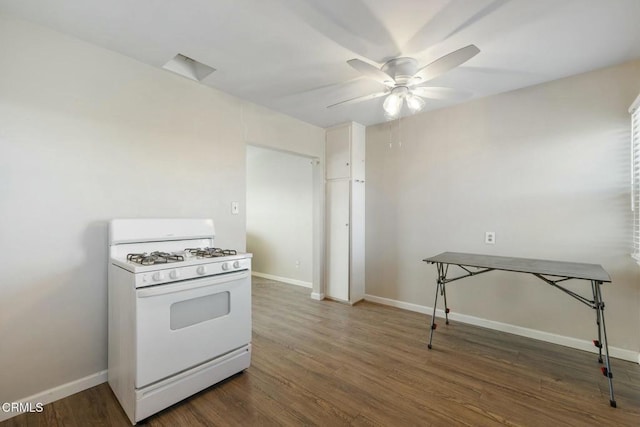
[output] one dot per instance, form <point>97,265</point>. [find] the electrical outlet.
<point>235,208</point>
<point>490,237</point>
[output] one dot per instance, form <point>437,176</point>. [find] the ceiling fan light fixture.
<point>392,105</point>
<point>415,103</point>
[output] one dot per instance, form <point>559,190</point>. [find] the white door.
<point>338,196</point>
<point>184,324</point>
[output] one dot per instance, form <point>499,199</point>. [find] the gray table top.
<point>524,265</point>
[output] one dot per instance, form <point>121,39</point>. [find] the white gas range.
<point>179,312</point>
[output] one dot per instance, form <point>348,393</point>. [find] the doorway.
<point>281,215</point>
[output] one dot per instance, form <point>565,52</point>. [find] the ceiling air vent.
<point>189,68</point>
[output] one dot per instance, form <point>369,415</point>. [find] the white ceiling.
<point>290,55</point>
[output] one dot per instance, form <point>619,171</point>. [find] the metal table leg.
<point>433,317</point>
<point>606,370</point>
<point>446,307</point>
<point>598,342</point>
<point>440,285</point>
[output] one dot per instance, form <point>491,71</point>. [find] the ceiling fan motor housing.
<point>401,69</point>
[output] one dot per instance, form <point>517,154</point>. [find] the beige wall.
<point>545,167</point>
<point>271,129</point>
<point>87,135</point>
<point>280,214</point>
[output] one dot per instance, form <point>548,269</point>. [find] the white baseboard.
<point>59,392</point>
<point>317,296</point>
<point>619,353</point>
<point>283,279</point>
<point>399,304</point>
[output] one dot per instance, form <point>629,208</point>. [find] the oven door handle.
<point>191,284</point>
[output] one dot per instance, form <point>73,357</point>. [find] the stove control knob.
<point>201,270</point>
<point>236,264</point>
<point>225,266</point>
<point>174,274</point>
<point>158,276</point>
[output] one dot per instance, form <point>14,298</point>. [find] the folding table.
<point>550,272</point>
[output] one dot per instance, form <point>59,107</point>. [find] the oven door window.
<point>198,310</point>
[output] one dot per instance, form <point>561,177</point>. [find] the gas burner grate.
<point>210,252</point>
<point>154,258</point>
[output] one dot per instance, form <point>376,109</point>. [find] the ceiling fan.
<point>403,80</point>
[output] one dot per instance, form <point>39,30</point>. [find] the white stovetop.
<point>189,260</point>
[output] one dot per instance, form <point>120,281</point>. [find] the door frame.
<point>318,218</point>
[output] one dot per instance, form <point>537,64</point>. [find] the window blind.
<point>635,175</point>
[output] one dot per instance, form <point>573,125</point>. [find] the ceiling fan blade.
<point>433,92</point>
<point>444,64</point>
<point>359,99</point>
<point>351,24</point>
<point>450,20</point>
<point>372,72</point>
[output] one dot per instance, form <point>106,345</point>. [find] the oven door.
<point>184,324</point>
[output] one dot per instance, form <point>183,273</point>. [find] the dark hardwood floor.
<point>325,363</point>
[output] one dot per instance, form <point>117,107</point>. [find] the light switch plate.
<point>235,208</point>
